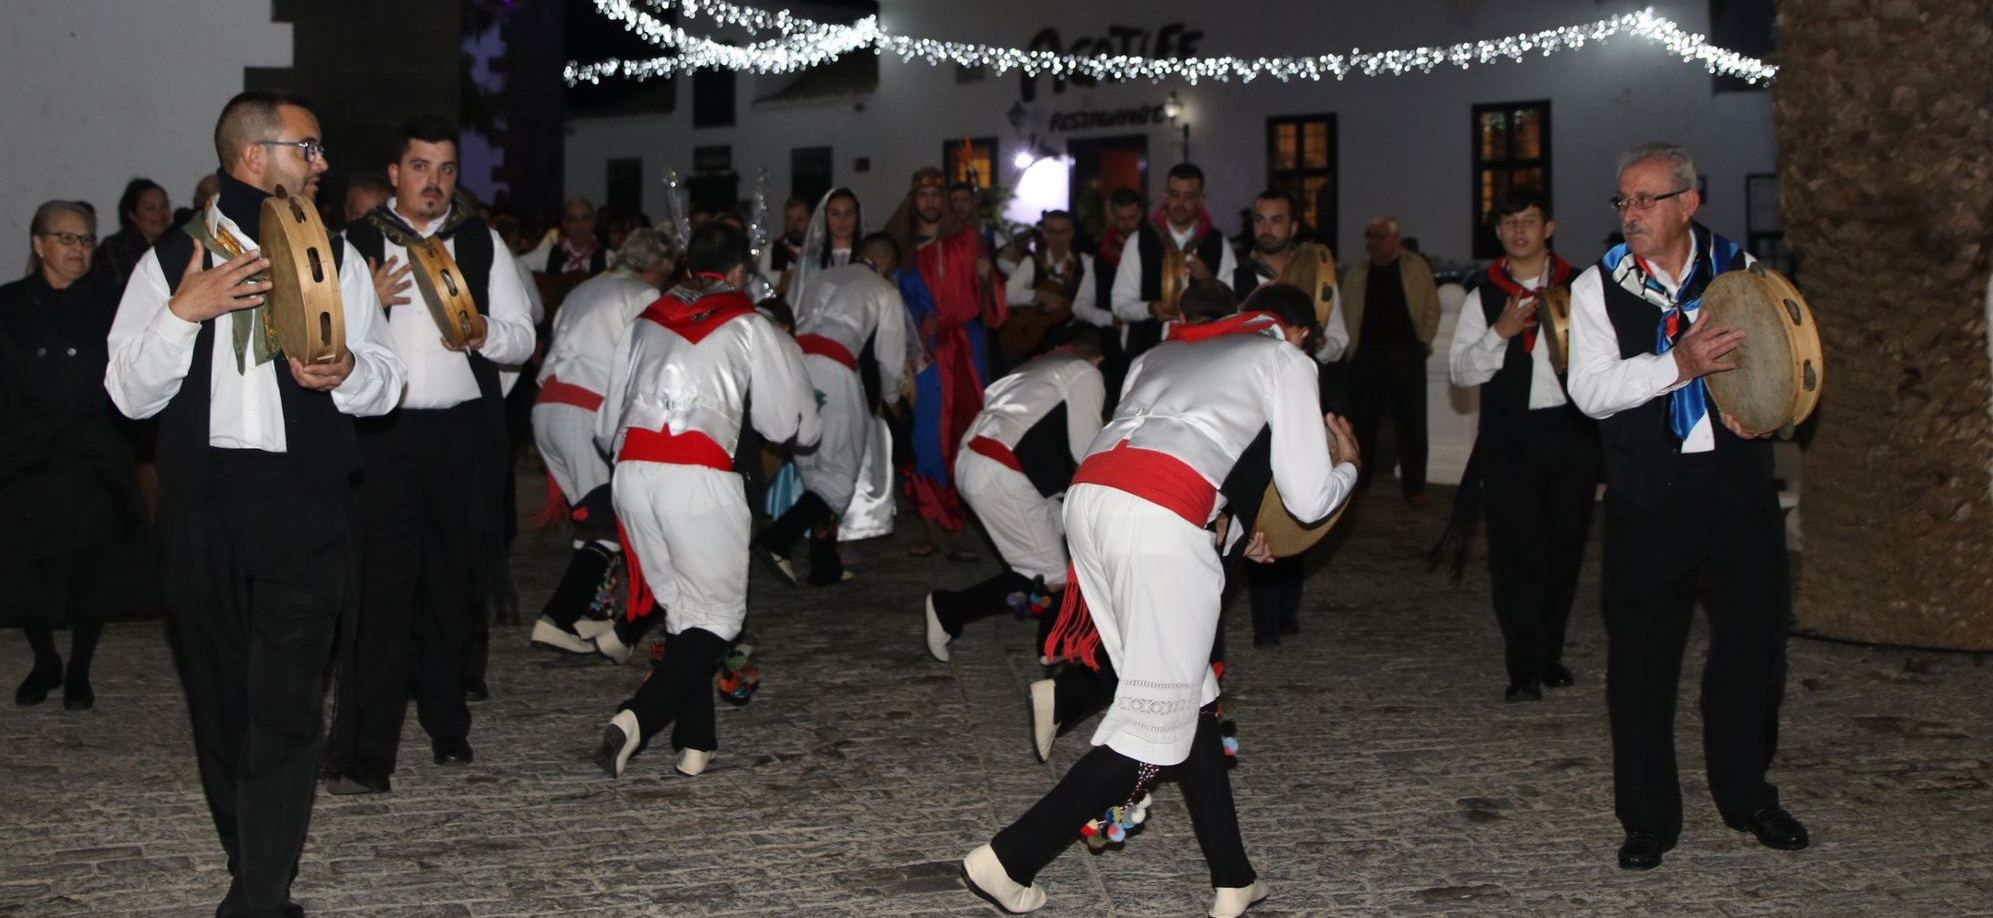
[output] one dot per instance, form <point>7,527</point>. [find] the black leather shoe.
<point>453,751</point>
<point>1523,690</point>
<point>1642,851</point>
<point>1774,827</point>
<point>77,696</point>
<point>477,691</point>
<point>1556,676</point>
<point>35,688</point>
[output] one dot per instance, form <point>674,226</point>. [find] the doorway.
<point>1101,165</point>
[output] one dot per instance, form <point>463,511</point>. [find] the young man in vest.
<point>845,311</point>
<point>1689,498</point>
<point>1136,518</point>
<point>1016,459</point>
<point>696,362</point>
<point>588,330</point>
<point>1180,225</point>
<point>1538,457</point>
<point>257,459</point>
<point>433,495</point>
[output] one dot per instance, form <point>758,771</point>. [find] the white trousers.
<point>565,435</point>
<point>688,525</point>
<point>831,470</point>
<point>1024,524</point>
<point>870,513</point>
<point>1152,583</point>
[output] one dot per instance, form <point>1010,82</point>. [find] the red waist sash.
<point>827,347</point>
<point>995,449</point>
<point>1154,476</point>
<point>689,448</point>
<point>556,392</point>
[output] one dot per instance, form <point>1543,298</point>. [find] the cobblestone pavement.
<point>1380,775</point>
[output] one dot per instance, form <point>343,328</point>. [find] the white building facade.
<point>1427,148</point>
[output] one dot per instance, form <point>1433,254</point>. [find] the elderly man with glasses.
<point>1690,502</point>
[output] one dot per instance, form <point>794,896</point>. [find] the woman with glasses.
<point>67,494</point>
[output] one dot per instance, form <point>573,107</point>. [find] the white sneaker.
<point>1043,728</point>
<point>784,567</point>
<point>986,877</point>
<point>610,645</point>
<point>1232,901</point>
<point>590,628</point>
<point>693,761</point>
<point>937,636</point>
<point>548,634</point>
<point>619,742</point>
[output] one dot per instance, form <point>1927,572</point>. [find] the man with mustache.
<point>433,496</point>
<point>1180,225</point>
<point>1688,500</point>
<point>257,456</point>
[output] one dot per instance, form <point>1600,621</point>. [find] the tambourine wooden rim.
<point>1312,268</point>
<point>1287,536</point>
<point>1781,370</point>
<point>1175,278</point>
<point>445,292</point>
<point>1553,318</point>
<point>307,315</point>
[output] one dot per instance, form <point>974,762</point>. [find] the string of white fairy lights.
<point>800,43</point>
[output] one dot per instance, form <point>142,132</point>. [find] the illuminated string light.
<point>800,43</point>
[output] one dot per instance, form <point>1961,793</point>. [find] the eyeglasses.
<point>1643,200</point>
<point>311,150</point>
<point>71,238</point>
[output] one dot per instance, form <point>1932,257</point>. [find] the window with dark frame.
<point>1301,160</point>
<point>1511,149</point>
<point>960,157</point>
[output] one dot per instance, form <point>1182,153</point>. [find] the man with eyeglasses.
<point>257,458</point>
<point>1536,457</point>
<point>433,497</point>
<point>1392,313</point>
<point>1689,500</point>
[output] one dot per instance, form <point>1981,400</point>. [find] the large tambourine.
<point>1312,268</point>
<point>1287,536</point>
<point>443,289</point>
<point>1175,279</point>
<point>306,315</point>
<point>1776,384</point>
<point>1553,319</point>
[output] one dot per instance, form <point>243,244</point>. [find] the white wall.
<point>99,91</point>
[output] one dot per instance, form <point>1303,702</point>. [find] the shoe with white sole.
<point>693,761</point>
<point>987,878</point>
<point>1232,901</point>
<point>619,741</point>
<point>783,566</point>
<point>1043,728</point>
<point>937,636</point>
<point>611,645</point>
<point>550,635</point>
<point>591,628</point>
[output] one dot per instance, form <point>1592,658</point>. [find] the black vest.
<point>1505,398</point>
<point>1642,455</point>
<point>1148,333</point>
<point>318,440</point>
<point>1046,453</point>
<point>557,260</point>
<point>474,255</point>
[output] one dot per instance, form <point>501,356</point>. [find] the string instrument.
<point>444,291</point>
<point>1780,366</point>
<point>306,317</point>
<point>1024,332</point>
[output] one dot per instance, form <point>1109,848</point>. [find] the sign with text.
<point>1173,39</point>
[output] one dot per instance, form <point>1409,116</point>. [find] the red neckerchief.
<point>1498,274</point>
<point>694,320</point>
<point>1111,246</point>
<point>1161,221</point>
<point>577,261</point>
<point>1245,323</point>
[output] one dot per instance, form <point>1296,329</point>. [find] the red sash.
<point>689,448</point>
<point>1245,323</point>
<point>995,449</point>
<point>556,392</point>
<point>828,347</point>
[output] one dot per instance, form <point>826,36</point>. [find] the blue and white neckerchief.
<point>1688,405</point>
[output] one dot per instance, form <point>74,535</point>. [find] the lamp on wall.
<point>1173,109</point>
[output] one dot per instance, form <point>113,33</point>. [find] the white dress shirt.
<point>1604,384</point>
<point>437,376</point>
<point>152,349</point>
<point>1022,290</point>
<point>590,327</point>
<point>1478,351</point>
<point>1126,299</point>
<point>1017,402</point>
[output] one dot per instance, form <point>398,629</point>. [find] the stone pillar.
<point>1884,113</point>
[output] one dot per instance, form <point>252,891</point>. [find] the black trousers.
<point>1394,381</point>
<point>1273,593</point>
<point>1104,778</point>
<point>424,553</point>
<point>1728,533</point>
<point>256,577</point>
<point>678,692</point>
<point>1537,485</point>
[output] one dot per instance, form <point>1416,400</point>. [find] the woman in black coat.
<point>68,501</point>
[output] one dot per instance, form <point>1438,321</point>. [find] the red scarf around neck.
<point>1245,323</point>
<point>1498,274</point>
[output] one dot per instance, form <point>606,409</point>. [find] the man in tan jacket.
<point>1391,306</point>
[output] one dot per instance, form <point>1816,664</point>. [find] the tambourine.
<point>306,317</point>
<point>443,289</point>
<point>1780,370</point>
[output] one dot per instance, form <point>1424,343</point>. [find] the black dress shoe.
<point>477,691</point>
<point>1523,690</point>
<point>35,688</point>
<point>1774,827</point>
<point>77,696</point>
<point>1556,676</point>
<point>452,751</point>
<point>1642,851</point>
